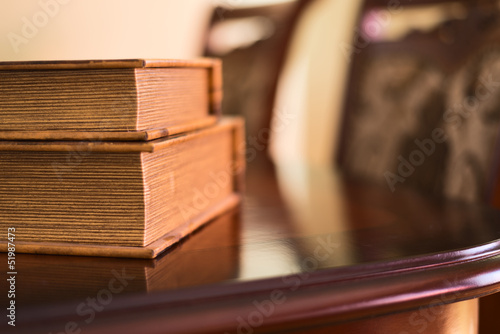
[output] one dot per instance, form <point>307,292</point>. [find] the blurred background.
<point>75,29</point>
<point>358,84</point>
<point>252,36</point>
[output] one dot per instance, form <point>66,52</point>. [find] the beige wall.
<point>95,29</point>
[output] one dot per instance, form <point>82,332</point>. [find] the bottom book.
<point>208,256</point>
<point>118,199</point>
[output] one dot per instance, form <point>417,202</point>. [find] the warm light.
<point>387,25</point>
<point>247,3</point>
<point>234,34</point>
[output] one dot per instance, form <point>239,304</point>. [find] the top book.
<point>129,99</point>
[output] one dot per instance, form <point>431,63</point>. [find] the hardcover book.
<point>124,199</point>
<point>134,99</point>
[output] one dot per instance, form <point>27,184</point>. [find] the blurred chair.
<point>418,83</point>
<point>253,44</point>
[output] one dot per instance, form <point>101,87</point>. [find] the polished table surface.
<point>309,247</point>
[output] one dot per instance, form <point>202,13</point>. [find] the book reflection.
<point>208,256</point>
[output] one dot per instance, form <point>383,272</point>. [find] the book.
<point>135,99</point>
<point>124,199</point>
<point>210,255</point>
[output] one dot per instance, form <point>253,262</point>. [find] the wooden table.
<point>310,251</point>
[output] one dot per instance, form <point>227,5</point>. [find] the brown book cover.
<point>115,100</point>
<point>124,199</point>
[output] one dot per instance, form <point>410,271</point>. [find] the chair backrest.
<point>251,70</point>
<point>423,103</point>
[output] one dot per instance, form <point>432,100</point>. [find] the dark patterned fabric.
<point>411,124</point>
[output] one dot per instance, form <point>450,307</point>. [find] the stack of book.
<point>114,157</point>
